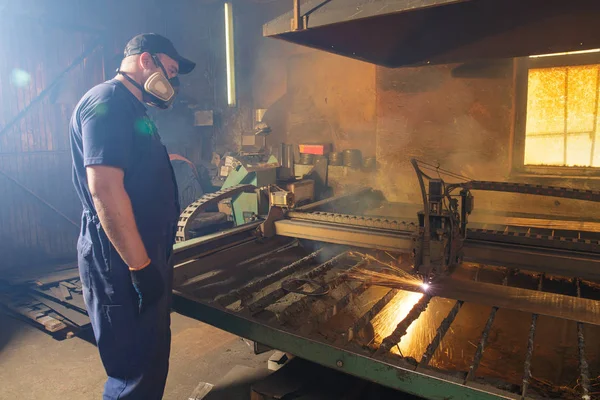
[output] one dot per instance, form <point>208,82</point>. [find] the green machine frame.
<point>246,205</point>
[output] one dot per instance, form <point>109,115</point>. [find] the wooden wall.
<point>39,210</point>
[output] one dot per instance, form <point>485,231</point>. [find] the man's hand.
<point>148,284</point>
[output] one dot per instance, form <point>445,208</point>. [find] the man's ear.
<point>146,61</point>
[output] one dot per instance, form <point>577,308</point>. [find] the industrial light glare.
<point>425,286</point>
<point>566,53</point>
<point>230,55</point>
<point>20,78</point>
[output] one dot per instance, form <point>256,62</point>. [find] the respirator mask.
<point>158,90</point>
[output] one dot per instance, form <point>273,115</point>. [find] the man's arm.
<point>116,214</point>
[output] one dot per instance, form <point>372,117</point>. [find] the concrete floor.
<point>33,365</point>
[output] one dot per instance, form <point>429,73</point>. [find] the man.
<point>124,179</point>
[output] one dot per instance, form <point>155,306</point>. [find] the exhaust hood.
<point>395,33</point>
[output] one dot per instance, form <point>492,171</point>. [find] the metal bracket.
<point>267,228</point>
<point>260,348</point>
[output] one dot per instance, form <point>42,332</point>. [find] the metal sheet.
<point>396,33</point>
<point>341,359</point>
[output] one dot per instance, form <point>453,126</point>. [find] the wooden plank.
<point>76,300</point>
<point>51,324</point>
<point>56,292</point>
<point>68,285</point>
<point>58,276</point>
<point>530,301</point>
<point>78,318</point>
<point>64,292</point>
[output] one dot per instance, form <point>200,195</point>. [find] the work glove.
<point>149,285</point>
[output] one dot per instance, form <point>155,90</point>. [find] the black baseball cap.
<point>154,44</point>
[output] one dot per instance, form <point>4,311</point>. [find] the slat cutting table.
<point>472,322</point>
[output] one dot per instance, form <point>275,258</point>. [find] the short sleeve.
<point>107,132</point>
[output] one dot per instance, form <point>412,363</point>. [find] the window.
<point>558,128</point>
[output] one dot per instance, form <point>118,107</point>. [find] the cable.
<point>448,173</point>
<point>438,169</point>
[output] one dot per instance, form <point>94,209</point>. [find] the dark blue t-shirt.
<point>110,127</point>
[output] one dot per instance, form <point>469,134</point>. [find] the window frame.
<point>521,85</point>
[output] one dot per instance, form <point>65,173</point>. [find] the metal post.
<point>529,354</point>
<point>296,15</point>
<point>583,364</point>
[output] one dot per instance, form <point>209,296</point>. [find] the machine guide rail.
<point>187,216</point>
<point>525,188</point>
<point>508,234</point>
<point>560,255</point>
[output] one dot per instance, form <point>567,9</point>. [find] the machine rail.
<point>202,204</point>
<point>526,188</point>
<point>539,237</point>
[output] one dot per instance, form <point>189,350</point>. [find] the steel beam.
<point>330,233</point>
